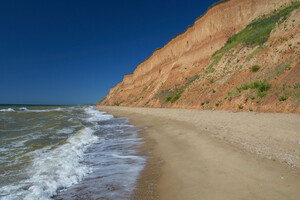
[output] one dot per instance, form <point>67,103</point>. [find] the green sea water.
<point>26,129</point>
<point>59,152</point>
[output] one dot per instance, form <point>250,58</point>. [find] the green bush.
<point>168,99</point>
<point>218,103</point>
<point>261,87</point>
<point>255,68</point>
<point>177,96</point>
<point>146,103</point>
<point>145,88</point>
<point>233,93</point>
<point>283,98</point>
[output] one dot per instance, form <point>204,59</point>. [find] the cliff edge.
<point>240,55</point>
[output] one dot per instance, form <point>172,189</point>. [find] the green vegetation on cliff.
<point>257,32</point>
<point>261,88</point>
<point>175,94</point>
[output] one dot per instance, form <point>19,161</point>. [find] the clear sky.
<point>73,52</point>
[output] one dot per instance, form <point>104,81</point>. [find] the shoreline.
<point>205,156</point>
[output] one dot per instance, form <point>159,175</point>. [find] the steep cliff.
<point>240,55</point>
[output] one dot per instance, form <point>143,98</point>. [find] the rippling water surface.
<point>67,152</point>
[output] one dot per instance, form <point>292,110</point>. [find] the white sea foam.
<point>61,167</point>
<point>23,109</point>
<point>128,157</point>
<point>54,168</point>
<point>7,110</point>
<point>95,115</point>
<point>114,126</point>
<point>49,110</point>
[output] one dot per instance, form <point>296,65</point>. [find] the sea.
<point>67,152</point>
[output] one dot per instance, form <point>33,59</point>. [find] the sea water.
<point>67,152</point>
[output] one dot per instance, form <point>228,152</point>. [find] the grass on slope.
<point>175,94</point>
<point>261,88</point>
<point>257,32</point>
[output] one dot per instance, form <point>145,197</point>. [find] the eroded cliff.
<point>240,55</point>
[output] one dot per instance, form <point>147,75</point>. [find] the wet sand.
<point>217,154</point>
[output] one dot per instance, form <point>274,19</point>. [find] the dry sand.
<point>218,154</point>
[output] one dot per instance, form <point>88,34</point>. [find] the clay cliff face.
<point>240,55</point>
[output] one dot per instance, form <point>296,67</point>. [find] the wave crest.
<point>8,110</point>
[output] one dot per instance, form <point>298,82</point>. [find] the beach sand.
<point>217,154</point>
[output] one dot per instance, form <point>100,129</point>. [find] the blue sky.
<point>73,52</point>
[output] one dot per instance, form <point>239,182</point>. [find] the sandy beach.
<point>217,154</point>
